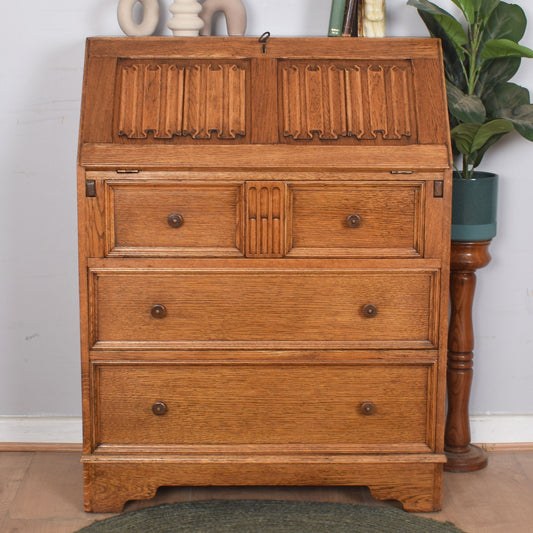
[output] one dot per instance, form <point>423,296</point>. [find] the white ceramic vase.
<point>233,10</point>
<point>148,23</point>
<point>185,21</point>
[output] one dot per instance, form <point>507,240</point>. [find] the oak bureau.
<point>264,249</point>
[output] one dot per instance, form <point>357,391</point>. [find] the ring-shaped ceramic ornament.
<point>149,22</point>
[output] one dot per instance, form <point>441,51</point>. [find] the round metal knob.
<point>159,408</point>
<point>370,311</point>
<point>175,221</point>
<point>353,221</point>
<point>368,408</point>
<point>159,311</point>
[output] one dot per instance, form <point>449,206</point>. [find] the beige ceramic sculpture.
<point>185,21</point>
<point>148,23</point>
<point>233,10</point>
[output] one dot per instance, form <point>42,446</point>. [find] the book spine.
<point>350,18</point>
<point>336,18</point>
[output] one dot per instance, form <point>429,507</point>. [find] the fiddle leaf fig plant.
<point>481,54</point>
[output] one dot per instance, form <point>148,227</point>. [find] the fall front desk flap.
<point>177,101</point>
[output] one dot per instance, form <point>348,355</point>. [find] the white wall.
<point>42,47</point>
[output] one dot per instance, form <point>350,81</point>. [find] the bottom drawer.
<point>263,404</point>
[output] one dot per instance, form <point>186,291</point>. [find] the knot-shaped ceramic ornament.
<point>149,21</point>
<point>233,10</point>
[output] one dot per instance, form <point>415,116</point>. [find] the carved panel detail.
<point>266,204</point>
<point>331,101</point>
<point>169,99</point>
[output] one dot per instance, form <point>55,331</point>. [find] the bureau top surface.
<point>290,102</point>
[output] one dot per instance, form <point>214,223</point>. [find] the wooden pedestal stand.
<point>466,257</point>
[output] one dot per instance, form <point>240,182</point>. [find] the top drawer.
<point>158,219</point>
<point>265,219</point>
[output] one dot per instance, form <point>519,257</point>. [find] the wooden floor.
<point>41,492</point>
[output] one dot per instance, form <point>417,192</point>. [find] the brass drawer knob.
<point>159,311</point>
<point>370,311</point>
<point>175,221</point>
<point>353,221</point>
<point>159,408</point>
<point>368,408</point>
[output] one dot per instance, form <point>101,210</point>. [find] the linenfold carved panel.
<point>176,99</point>
<point>364,101</point>
<point>265,218</point>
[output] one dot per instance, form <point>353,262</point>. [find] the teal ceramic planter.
<point>474,207</point>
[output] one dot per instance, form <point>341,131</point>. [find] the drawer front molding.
<point>235,406</point>
<point>281,308</point>
<point>170,218</point>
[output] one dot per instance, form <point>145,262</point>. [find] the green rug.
<point>264,516</point>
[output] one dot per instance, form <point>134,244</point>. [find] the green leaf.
<point>508,21</point>
<point>468,8</point>
<point>453,29</point>
<point>494,72</point>
<point>428,7</point>
<point>488,130</point>
<point>478,155</point>
<point>487,8</point>
<point>504,48</point>
<point>465,108</point>
<point>470,138</point>
<point>504,98</point>
<point>463,137</point>
<point>452,62</point>
<point>522,119</point>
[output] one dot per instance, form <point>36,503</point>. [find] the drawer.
<point>172,219</point>
<point>287,307</point>
<point>263,404</point>
<point>379,219</point>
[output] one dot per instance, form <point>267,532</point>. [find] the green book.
<point>336,18</point>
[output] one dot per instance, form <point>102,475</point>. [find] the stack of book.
<point>346,18</point>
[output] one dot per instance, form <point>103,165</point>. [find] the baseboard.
<point>40,430</point>
<point>501,429</point>
<point>492,431</point>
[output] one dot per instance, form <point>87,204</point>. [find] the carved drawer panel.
<point>369,407</point>
<point>165,99</point>
<point>169,219</point>
<point>351,99</point>
<point>279,306</point>
<point>357,219</point>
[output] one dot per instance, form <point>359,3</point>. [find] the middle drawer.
<point>275,307</point>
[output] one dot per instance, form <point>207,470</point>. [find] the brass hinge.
<point>438,189</point>
<point>90,188</point>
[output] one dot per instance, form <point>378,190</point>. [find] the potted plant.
<point>481,54</point>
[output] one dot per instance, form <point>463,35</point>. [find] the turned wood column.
<point>466,258</point>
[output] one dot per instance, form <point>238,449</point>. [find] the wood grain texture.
<point>167,99</point>
<point>138,219</point>
<point>466,258</point>
<point>356,99</point>
<point>390,215</point>
<point>263,265</point>
<point>255,404</point>
<point>417,485</point>
<point>298,307</point>
<point>430,157</point>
